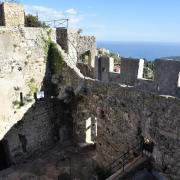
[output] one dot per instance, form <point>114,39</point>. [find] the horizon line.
<point>134,41</point>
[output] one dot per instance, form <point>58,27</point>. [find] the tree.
<point>32,21</point>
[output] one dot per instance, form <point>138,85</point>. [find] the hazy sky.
<point>120,20</point>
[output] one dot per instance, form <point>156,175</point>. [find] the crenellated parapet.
<point>166,75</point>
<point>104,66</point>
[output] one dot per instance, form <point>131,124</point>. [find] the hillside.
<point>175,58</point>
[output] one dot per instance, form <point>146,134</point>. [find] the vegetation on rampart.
<point>33,21</point>
<point>55,59</point>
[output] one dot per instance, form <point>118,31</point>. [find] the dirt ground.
<point>63,162</point>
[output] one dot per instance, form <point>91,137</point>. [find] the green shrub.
<point>32,86</point>
<point>55,59</point>
<point>32,21</point>
<point>148,72</point>
<point>17,104</point>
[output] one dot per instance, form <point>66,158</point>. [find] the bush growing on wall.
<point>55,59</point>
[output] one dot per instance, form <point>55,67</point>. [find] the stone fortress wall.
<point>123,115</point>
<point>11,14</point>
<point>25,128</point>
<point>23,67</point>
<point>75,45</point>
<point>31,127</point>
<point>166,75</point>
<point>111,115</point>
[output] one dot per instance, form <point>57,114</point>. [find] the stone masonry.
<point>23,65</point>
<point>113,116</point>
<point>11,14</point>
<point>123,115</point>
<point>75,45</point>
<point>166,75</point>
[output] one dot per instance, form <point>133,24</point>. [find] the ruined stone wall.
<point>32,134</point>
<point>129,71</point>
<point>68,39</point>
<point>166,75</point>
<point>11,14</point>
<point>88,43</point>
<point>62,38</point>
<point>123,114</point>
<point>23,70</point>
<point>75,45</point>
<point>86,70</point>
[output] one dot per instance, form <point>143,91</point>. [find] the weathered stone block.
<point>11,14</point>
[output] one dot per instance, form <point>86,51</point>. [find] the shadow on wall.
<point>85,122</point>
<point>34,132</point>
<point>47,121</point>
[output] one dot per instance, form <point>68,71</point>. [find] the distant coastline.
<point>147,50</point>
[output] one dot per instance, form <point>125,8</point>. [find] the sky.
<point>115,20</point>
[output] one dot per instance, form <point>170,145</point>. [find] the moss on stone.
<point>32,86</point>
<point>17,104</point>
<point>47,41</point>
<point>55,59</point>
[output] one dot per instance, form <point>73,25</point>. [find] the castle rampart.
<point>115,117</point>
<point>166,75</point>
<point>123,116</point>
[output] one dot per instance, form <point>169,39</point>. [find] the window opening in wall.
<point>117,68</point>
<point>91,130</point>
<point>178,83</point>
<point>84,58</point>
<point>148,70</point>
<point>88,130</point>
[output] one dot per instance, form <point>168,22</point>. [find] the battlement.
<point>11,14</point>
<point>166,75</point>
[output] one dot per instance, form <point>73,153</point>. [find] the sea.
<point>146,50</point>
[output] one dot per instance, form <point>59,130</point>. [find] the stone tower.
<point>11,15</point>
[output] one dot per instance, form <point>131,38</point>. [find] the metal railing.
<point>125,158</point>
<point>59,23</point>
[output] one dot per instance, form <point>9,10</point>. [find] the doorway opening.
<point>4,159</point>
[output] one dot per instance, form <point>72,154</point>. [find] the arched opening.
<point>4,158</point>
